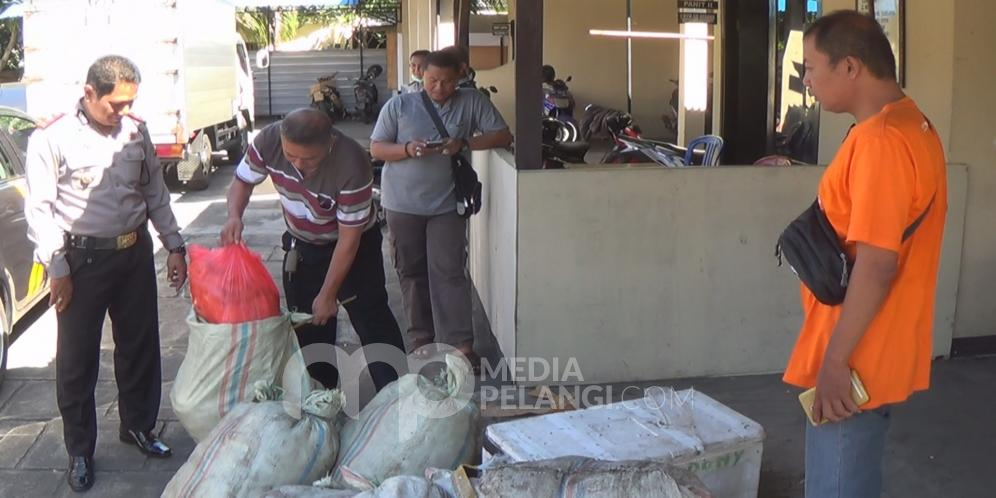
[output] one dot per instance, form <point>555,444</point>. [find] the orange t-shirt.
<point>881,180</point>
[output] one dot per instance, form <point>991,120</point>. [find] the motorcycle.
<point>558,103</point>
<point>629,145</point>
<point>325,97</point>
<point>378,169</point>
<point>557,152</point>
<point>471,82</point>
<point>488,90</point>
<point>365,91</point>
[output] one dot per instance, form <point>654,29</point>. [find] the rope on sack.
<point>456,374</point>
<point>326,482</point>
<point>451,380</point>
<point>266,391</point>
<point>323,404</point>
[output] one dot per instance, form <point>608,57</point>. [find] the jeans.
<point>844,460</point>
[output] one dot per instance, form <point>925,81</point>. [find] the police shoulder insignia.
<point>46,122</point>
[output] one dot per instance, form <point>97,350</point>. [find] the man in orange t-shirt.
<point>887,174</point>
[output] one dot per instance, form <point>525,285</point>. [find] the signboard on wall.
<point>698,4</point>
<point>697,11</point>
<point>501,28</point>
<point>891,15</point>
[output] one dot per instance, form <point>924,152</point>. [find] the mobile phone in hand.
<point>435,144</point>
<point>858,394</point>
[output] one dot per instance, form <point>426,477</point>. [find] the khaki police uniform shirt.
<point>83,182</point>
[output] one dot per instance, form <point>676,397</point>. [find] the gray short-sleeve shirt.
<point>424,185</point>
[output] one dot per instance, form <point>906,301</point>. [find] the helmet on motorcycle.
<point>618,122</point>
<point>549,74</point>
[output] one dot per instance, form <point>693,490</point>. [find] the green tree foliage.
<point>11,44</point>
<point>255,26</point>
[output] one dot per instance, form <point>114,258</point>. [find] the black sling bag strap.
<point>814,253</point>
<point>466,187</point>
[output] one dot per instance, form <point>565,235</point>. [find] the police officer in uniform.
<point>94,182</point>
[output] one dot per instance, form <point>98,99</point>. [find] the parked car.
<point>22,283</point>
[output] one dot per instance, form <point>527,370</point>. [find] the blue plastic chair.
<point>712,145</point>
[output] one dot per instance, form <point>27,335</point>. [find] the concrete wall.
<point>482,23</point>
<point>649,273</point>
<point>973,142</point>
<point>493,244</point>
<point>485,57</point>
<point>597,63</point>
<point>502,78</point>
<point>654,63</point>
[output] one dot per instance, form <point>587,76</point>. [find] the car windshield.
<point>19,129</point>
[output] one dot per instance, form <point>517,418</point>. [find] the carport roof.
<point>17,9</point>
<point>290,4</point>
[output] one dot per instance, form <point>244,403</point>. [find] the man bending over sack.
<point>332,244</point>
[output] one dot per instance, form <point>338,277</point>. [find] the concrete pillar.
<point>462,17</point>
<point>417,31</point>
<point>418,20</point>
<point>528,79</point>
<point>446,29</point>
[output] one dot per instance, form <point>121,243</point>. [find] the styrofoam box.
<point>685,428</point>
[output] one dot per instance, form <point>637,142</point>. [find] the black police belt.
<point>123,241</point>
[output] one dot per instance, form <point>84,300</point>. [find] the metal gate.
<point>286,82</point>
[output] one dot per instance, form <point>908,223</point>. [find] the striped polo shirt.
<point>340,193</point>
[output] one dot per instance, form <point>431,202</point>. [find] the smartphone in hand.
<point>435,144</point>
<point>858,394</point>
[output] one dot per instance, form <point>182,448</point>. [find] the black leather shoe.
<point>80,475</point>
<point>147,442</point>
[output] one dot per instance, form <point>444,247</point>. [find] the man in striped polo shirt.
<point>332,243</point>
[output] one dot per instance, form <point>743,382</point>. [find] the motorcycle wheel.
<point>567,132</point>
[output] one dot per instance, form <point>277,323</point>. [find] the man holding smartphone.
<point>888,173</point>
<point>428,235</point>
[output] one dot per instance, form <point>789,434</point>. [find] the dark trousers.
<point>431,259</point>
<point>121,283</point>
<point>364,293</point>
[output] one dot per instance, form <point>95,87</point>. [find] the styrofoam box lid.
<point>667,425</point>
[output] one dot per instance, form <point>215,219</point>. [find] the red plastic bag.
<point>230,284</point>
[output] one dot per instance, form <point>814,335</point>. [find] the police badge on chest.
<point>83,178</point>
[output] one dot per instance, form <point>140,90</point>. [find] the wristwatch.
<point>182,250</point>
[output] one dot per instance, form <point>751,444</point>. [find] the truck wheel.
<point>200,151</point>
<point>238,148</point>
<point>170,175</point>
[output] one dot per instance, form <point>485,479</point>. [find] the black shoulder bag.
<point>816,256</point>
<point>467,188</point>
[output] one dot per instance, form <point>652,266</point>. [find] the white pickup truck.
<point>196,93</point>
